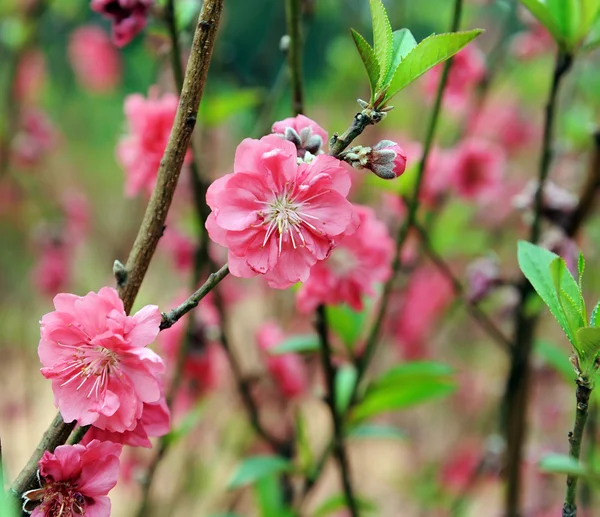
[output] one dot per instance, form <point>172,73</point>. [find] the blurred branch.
<point>517,385</point>
<point>293,11</point>
<point>582,394</point>
<point>329,371</point>
<point>170,166</point>
<point>363,361</point>
<point>473,309</point>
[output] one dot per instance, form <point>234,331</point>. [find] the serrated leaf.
<point>569,294</point>
<point>534,262</point>
<point>345,381</point>
<point>588,339</point>
<point>540,10</point>
<point>580,270</point>
<point>257,467</point>
<point>338,502</point>
<point>402,43</point>
<point>428,53</point>
<point>297,344</point>
<point>561,464</point>
<point>367,55</point>
<point>594,317</point>
<point>382,38</point>
<point>376,431</point>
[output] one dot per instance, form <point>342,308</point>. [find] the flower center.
<point>284,215</point>
<point>92,365</point>
<point>58,499</point>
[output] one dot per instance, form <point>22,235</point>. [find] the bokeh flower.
<point>96,356</point>
<point>355,266</point>
<point>278,217</point>
<point>128,17</point>
<point>75,480</point>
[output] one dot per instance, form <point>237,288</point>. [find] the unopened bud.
<point>386,159</point>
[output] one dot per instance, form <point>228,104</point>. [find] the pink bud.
<point>386,159</point>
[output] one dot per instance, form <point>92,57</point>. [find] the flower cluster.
<point>102,373</point>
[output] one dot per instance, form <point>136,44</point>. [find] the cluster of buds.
<point>308,137</point>
<point>386,159</point>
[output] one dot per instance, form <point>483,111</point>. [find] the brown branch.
<point>170,166</point>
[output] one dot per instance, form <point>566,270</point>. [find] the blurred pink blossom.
<point>483,275</point>
<point>149,123</point>
<point>427,296</point>
<point>466,72</point>
<point>36,137</point>
<point>52,272</point>
<point>437,175</point>
<point>96,356</point>
<point>128,17</point>
<point>180,249</point>
<point>303,132</point>
<point>287,370</point>
<point>358,262</point>
<point>95,61</point>
<point>278,217</point>
<point>30,75</point>
<point>533,42</point>
<point>478,169</point>
<point>77,215</point>
<point>460,468</point>
<point>75,480</point>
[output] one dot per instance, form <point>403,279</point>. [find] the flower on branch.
<point>386,159</point>
<point>276,216</point>
<point>75,480</point>
<point>360,260</point>
<point>303,132</point>
<point>102,373</point>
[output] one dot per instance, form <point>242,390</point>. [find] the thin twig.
<point>329,371</point>
<point>582,395</point>
<point>152,225</point>
<point>516,391</point>
<point>78,434</point>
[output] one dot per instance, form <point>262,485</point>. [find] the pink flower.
<point>180,248</point>
<point>359,261</point>
<point>36,137</point>
<point>77,214</point>
<point>139,153</point>
<point>533,42</point>
<point>287,370</point>
<point>466,72</point>
<point>94,59</point>
<point>437,176</point>
<point>478,169</point>
<point>53,270</point>
<point>155,421</point>
<point>303,132</point>
<point>278,217</point>
<point>75,480</point>
<point>96,356</point>
<point>128,17</point>
<point>427,296</point>
<point>458,471</point>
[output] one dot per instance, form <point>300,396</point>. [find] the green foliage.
<point>569,21</point>
<point>258,467</point>
<point>269,498</point>
<point>594,317</point>
<point>404,386</point>
<point>345,381</point>
<point>588,339</point>
<point>376,431</point>
<point>297,344</point>
<point>562,464</point>
<point>395,60</point>
<point>218,107</point>
<point>346,323</point>
<point>338,502</point>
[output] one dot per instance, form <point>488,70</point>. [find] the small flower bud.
<point>303,132</point>
<point>386,159</point>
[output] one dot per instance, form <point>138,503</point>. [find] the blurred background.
<point>64,219</point>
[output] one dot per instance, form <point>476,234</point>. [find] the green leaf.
<point>540,10</point>
<point>305,455</point>
<point>376,431</point>
<point>595,315</point>
<point>566,14</point>
<point>534,262</point>
<point>346,323</point>
<point>338,502</point>
<point>257,467</point>
<point>569,295</point>
<point>405,386</point>
<point>430,52</point>
<point>223,105</point>
<point>270,499</point>
<point>297,344</point>
<point>345,381</point>
<point>590,14</point>
<point>402,43</point>
<point>556,357</point>
<point>382,38</point>
<point>588,339</point>
<point>580,270</point>
<point>561,464</point>
<point>369,61</point>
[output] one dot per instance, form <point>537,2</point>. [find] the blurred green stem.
<point>582,394</point>
<point>293,11</point>
<point>514,408</point>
